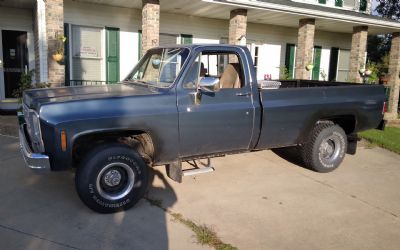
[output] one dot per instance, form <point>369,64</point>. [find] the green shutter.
<point>140,44</point>
<point>289,59</point>
<point>339,3</point>
<point>317,63</point>
<point>363,5</point>
<point>322,1</point>
<point>333,64</point>
<point>66,55</point>
<point>186,39</point>
<point>112,54</point>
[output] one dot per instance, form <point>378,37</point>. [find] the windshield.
<point>159,67</point>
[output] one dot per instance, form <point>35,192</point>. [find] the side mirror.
<point>209,84</point>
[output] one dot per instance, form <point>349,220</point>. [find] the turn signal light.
<point>63,141</point>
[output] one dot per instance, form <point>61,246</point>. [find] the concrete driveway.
<point>253,201</point>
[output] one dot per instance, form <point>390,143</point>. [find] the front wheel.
<point>111,178</point>
<point>325,148</point>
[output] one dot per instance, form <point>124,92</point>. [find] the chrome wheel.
<point>115,181</point>
<point>329,149</point>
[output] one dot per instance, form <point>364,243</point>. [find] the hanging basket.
<point>58,57</point>
<point>309,67</point>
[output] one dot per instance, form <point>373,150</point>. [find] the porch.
<point>105,39</point>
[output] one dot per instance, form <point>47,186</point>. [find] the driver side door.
<point>221,121</point>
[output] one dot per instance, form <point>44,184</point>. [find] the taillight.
<point>384,109</point>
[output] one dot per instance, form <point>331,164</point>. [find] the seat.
<point>230,79</point>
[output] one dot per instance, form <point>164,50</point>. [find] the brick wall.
<point>357,53</point>
<point>150,24</point>
<point>394,72</point>
<point>305,46</point>
<point>55,28</point>
<point>237,26</point>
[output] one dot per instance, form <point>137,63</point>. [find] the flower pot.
<point>384,80</point>
<point>309,67</point>
<point>58,57</point>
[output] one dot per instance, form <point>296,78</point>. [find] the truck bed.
<point>293,107</point>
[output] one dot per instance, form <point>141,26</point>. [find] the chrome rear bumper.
<point>33,160</point>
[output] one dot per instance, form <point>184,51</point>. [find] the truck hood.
<point>36,97</point>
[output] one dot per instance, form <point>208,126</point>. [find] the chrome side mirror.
<point>209,84</point>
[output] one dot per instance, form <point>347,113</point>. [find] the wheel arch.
<point>138,139</point>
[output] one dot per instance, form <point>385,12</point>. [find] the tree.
<point>389,9</point>
<point>379,46</point>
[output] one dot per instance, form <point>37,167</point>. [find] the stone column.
<point>150,24</point>
<point>357,53</point>
<point>54,29</point>
<point>394,76</point>
<point>305,46</point>
<point>238,27</point>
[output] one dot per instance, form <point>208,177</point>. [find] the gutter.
<point>252,4</point>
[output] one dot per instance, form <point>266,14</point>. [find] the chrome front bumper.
<point>33,160</point>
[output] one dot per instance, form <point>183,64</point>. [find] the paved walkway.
<point>253,201</point>
<point>9,125</point>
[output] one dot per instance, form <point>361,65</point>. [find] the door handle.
<point>243,94</point>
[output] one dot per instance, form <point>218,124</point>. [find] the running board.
<point>175,172</point>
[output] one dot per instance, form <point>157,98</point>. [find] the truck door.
<point>217,121</point>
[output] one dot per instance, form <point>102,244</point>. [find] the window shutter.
<point>339,3</point>
<point>186,39</point>
<point>317,63</point>
<point>112,54</point>
<point>289,59</point>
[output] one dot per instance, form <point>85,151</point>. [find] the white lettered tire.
<point>111,178</point>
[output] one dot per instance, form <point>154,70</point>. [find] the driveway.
<point>252,201</point>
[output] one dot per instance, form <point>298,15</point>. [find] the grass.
<point>204,234</point>
<point>389,139</point>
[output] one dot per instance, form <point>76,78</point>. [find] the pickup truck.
<point>185,104</point>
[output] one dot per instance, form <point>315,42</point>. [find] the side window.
<point>223,66</point>
<point>192,76</point>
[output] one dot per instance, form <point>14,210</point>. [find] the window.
<point>339,3</point>
<point>159,67</point>
<point>87,56</point>
<point>223,67</point>
<point>322,1</point>
<point>363,5</point>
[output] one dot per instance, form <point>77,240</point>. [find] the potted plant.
<point>59,54</point>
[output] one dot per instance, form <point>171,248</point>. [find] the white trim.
<point>42,40</point>
<point>2,94</point>
<point>253,4</point>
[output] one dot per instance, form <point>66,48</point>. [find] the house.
<point>106,38</point>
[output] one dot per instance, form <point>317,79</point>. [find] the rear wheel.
<point>111,178</point>
<point>325,148</point>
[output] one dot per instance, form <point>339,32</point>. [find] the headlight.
<point>33,127</point>
<point>36,125</point>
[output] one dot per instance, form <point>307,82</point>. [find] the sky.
<point>374,4</point>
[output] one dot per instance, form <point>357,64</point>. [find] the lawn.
<point>389,139</point>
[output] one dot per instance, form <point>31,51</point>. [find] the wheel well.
<point>138,140</point>
<point>346,122</point>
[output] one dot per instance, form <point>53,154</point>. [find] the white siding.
<point>271,39</point>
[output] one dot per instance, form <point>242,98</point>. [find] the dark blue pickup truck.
<point>187,103</point>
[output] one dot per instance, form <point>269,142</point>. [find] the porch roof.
<point>274,12</point>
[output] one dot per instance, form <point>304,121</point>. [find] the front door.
<point>15,59</point>
<point>221,121</point>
